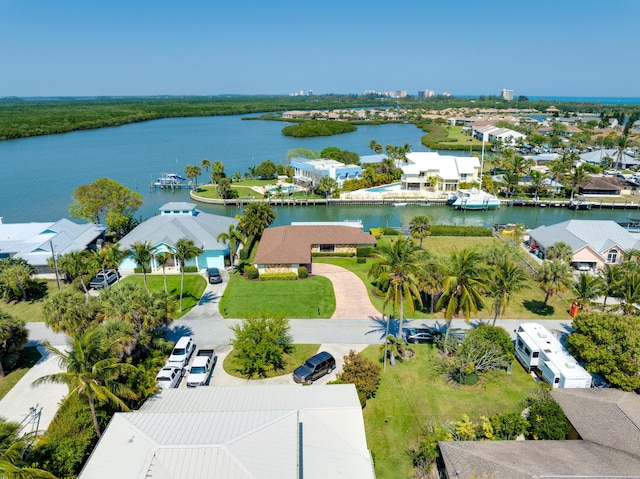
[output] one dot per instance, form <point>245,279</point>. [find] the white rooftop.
<point>446,166</point>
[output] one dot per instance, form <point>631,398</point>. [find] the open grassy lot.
<point>444,137</point>
<point>443,245</point>
<point>300,354</point>
<point>309,298</point>
<point>30,311</point>
<point>413,394</point>
<point>194,285</point>
<point>28,357</point>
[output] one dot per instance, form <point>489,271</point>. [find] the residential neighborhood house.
<point>38,242</point>
<point>489,133</point>
<point>284,249</point>
<point>179,220</point>
<point>592,242</point>
<point>265,431</point>
<point>430,171</point>
<point>309,173</point>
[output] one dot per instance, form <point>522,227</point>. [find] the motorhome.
<point>541,351</point>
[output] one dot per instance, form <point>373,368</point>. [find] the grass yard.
<point>309,298</point>
<point>30,311</point>
<point>194,285</point>
<point>300,354</point>
<point>28,357</point>
<point>413,394</point>
<point>443,245</point>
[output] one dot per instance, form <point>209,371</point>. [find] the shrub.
<point>252,272</point>
<point>495,335</point>
<point>15,337</point>
<point>390,232</point>
<point>365,251</point>
<point>376,232</point>
<point>138,270</point>
<point>508,426</point>
<point>361,372</point>
<point>278,277</point>
<point>330,255</point>
<point>447,230</point>
<point>303,272</point>
<point>427,450</point>
<point>190,269</point>
<point>546,418</point>
<point>361,260</point>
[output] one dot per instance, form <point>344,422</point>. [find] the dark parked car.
<point>214,276</point>
<point>421,335</point>
<point>104,278</point>
<point>315,367</point>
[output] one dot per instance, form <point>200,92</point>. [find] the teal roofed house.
<point>181,220</point>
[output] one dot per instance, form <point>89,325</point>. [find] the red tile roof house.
<point>283,249</point>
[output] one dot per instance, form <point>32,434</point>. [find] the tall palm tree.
<point>586,288</point>
<point>536,182</point>
<point>504,279</point>
<point>140,252</point>
<point>611,275</point>
<point>255,219</point>
<point>429,279</point>
<point>206,164</point>
<point>92,372</point>
<point>559,250</point>
<point>419,227</point>
<point>163,259</point>
<point>109,256</point>
<point>185,251</point>
<point>192,172</point>
<point>75,264</point>
<point>399,259</point>
<point>553,277</point>
<point>577,175</point>
<point>629,293</point>
<point>463,285</point>
<point>234,238</point>
<point>12,446</point>
<point>13,336</point>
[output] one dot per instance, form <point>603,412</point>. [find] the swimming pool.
<point>385,188</point>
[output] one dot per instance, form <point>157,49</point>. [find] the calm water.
<point>39,174</point>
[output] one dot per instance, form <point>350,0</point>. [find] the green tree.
<point>234,238</point>
<point>611,276</point>
<point>192,172</point>
<point>266,170</point>
<point>399,260</point>
<point>255,219</point>
<point>16,279</point>
<point>105,201</point>
<point>553,277</point>
<point>587,288</point>
<point>163,260</point>
<point>560,251</point>
<point>504,279</point>
<point>628,292</point>
<point>326,186</point>
<point>508,426</point>
<point>546,419</point>
<point>429,279</point>
<point>419,227</point>
<point>463,286</point>
<point>75,265</point>
<point>361,372</point>
<point>185,250</point>
<point>13,337</point>
<point>217,171</point>
<point>536,183</point>
<point>12,447</point>
<point>608,345</point>
<point>206,164</point>
<point>260,345</point>
<point>108,257</point>
<point>91,372</point>
<point>70,312</point>
<point>141,254</point>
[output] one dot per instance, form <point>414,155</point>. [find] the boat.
<point>400,204</point>
<point>580,203</point>
<point>170,180</point>
<point>424,203</point>
<point>475,200</point>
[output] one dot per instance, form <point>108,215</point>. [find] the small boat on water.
<point>580,203</point>
<point>475,200</point>
<point>171,180</point>
<point>400,204</point>
<point>424,203</point>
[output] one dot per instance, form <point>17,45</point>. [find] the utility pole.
<point>55,264</point>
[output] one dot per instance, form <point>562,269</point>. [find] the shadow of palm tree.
<point>178,331</point>
<point>538,307</point>
<point>380,327</point>
<point>208,297</point>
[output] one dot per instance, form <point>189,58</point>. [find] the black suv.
<point>421,335</point>
<point>214,276</point>
<point>315,367</point>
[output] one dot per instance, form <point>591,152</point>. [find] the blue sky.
<point>140,47</point>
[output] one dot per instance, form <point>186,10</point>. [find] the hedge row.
<point>365,251</point>
<point>446,230</point>
<point>278,277</point>
<point>329,255</point>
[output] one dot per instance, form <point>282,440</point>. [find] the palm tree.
<point>553,277</point>
<point>234,238</point>
<point>109,256</point>
<point>12,446</point>
<point>559,250</point>
<point>536,182</point>
<point>429,278</point>
<point>163,259</point>
<point>256,218</point>
<point>192,172</point>
<point>611,275</point>
<point>629,293</point>
<point>577,176</point>
<point>91,372</point>
<point>419,227</point>
<point>463,285</point>
<point>185,251</point>
<point>75,264</point>
<point>13,336</point>
<point>206,164</point>
<point>505,278</point>
<point>141,253</point>
<point>399,259</point>
<point>586,288</point>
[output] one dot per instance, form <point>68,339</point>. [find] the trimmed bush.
<point>361,260</point>
<point>139,270</point>
<point>330,255</point>
<point>278,277</point>
<point>303,272</point>
<point>252,272</point>
<point>365,251</point>
<point>447,230</point>
<point>362,372</point>
<point>376,232</point>
<point>391,232</point>
<point>466,379</point>
<point>190,269</point>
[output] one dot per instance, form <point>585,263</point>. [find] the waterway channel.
<point>38,175</point>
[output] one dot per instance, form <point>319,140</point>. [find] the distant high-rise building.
<point>421,94</point>
<point>401,93</point>
<point>426,93</point>
<point>507,95</point>
<point>310,93</point>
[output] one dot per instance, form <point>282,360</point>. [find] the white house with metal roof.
<point>275,431</point>
<point>311,172</point>
<point>594,242</point>
<point>446,172</point>
<point>179,220</point>
<point>33,242</point>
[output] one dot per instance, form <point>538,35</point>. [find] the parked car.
<point>182,352</point>
<point>421,335</point>
<point>582,266</point>
<point>169,377</point>
<point>104,278</point>
<point>214,276</point>
<point>314,368</point>
<point>201,369</point>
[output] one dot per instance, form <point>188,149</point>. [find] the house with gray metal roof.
<point>37,242</point>
<point>179,220</point>
<point>275,431</point>
<point>606,429</point>
<point>611,155</point>
<point>595,242</point>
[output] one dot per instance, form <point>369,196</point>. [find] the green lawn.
<point>413,394</point>
<point>30,311</point>
<point>194,285</point>
<point>443,245</point>
<point>308,298</point>
<point>300,354</point>
<point>28,357</point>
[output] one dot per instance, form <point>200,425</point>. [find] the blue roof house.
<point>181,220</point>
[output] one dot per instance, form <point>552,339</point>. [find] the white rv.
<point>539,350</point>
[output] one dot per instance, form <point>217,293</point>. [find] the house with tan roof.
<point>283,249</point>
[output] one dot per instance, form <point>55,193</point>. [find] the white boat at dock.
<point>400,204</point>
<point>475,200</point>
<point>171,180</point>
